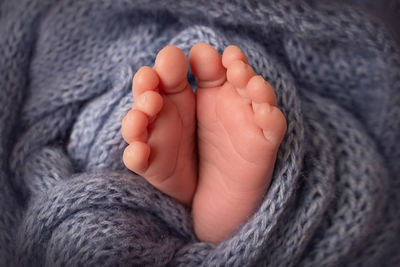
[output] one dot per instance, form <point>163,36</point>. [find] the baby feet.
<point>160,127</point>
<point>239,130</point>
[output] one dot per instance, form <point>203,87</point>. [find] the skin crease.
<point>214,151</point>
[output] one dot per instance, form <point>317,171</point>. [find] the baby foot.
<point>239,131</point>
<point>160,128</point>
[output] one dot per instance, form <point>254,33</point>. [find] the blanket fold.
<point>66,199</point>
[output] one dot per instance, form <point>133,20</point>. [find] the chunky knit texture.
<point>65,76</point>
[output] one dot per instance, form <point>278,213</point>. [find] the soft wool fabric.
<point>65,84</point>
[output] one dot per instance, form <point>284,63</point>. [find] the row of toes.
<point>255,91</point>
<point>169,76</point>
<point>211,70</point>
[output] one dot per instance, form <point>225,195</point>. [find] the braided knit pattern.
<point>66,70</point>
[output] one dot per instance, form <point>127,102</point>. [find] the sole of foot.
<point>160,127</point>
<point>239,130</point>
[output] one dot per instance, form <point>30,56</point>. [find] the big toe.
<point>206,65</point>
<point>172,66</point>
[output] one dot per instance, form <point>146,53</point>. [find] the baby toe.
<point>232,53</point>
<point>134,126</point>
<point>206,65</point>
<point>171,66</point>
<point>260,91</point>
<point>239,73</point>
<point>145,79</point>
<point>149,102</point>
<point>272,122</point>
<point>136,156</point>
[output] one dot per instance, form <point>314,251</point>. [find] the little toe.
<point>272,122</point>
<point>134,126</point>
<point>145,79</point>
<point>136,156</point>
<point>171,66</point>
<point>206,65</point>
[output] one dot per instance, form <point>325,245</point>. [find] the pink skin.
<point>239,130</point>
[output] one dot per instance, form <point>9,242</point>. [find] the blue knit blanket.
<point>66,198</point>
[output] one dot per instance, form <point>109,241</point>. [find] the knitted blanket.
<point>66,198</point>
